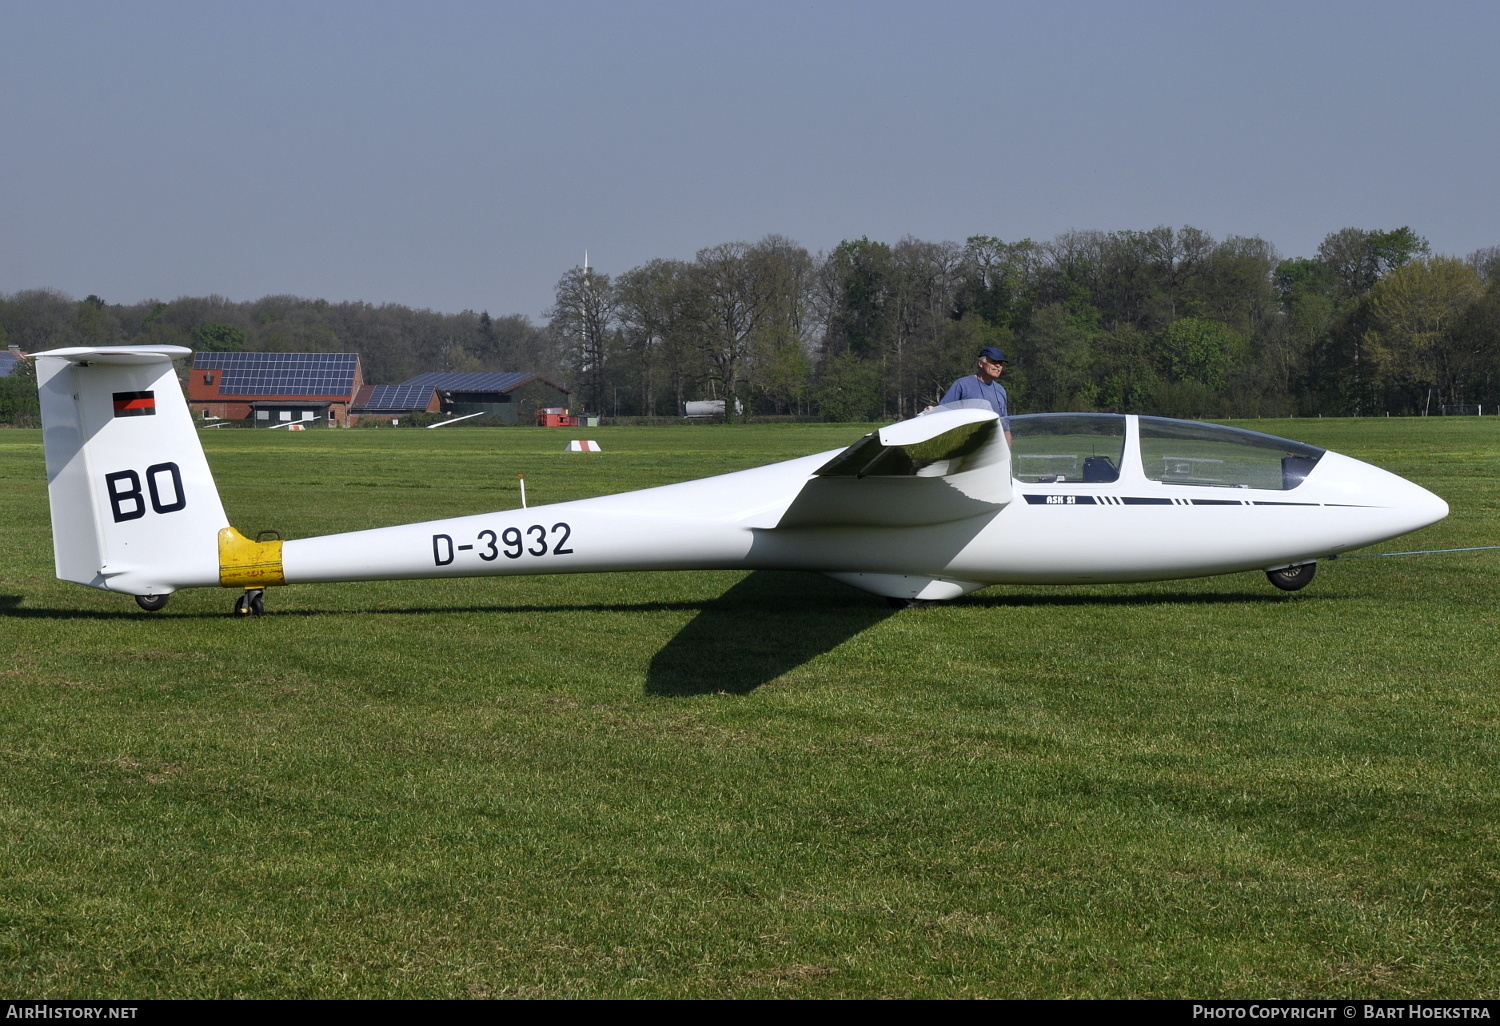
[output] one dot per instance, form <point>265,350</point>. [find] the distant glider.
<point>927,509</point>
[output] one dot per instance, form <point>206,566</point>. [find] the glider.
<point>927,509</point>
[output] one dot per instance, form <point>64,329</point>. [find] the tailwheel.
<point>151,603</point>
<point>1292,578</point>
<point>251,603</point>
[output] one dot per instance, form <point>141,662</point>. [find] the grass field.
<point>719,784</point>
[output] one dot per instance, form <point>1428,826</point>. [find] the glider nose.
<point>1414,506</point>
<point>1421,505</point>
<point>1404,506</point>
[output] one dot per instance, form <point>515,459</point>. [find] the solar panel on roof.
<point>398,397</point>
<point>470,381</point>
<point>281,373</point>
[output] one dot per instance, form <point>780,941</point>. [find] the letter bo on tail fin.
<point>134,506</point>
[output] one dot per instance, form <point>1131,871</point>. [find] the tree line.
<point>1165,321</point>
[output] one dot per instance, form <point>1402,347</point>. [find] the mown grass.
<point>711,784</point>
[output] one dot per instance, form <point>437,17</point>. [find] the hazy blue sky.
<point>463,155</point>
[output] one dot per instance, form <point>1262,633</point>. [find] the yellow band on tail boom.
<point>245,563</point>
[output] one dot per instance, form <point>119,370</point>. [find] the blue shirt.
<point>972,388</point>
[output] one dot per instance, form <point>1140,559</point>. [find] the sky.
<point>465,155</point>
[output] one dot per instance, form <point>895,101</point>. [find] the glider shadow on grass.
<point>767,625</point>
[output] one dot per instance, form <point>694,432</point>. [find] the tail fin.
<point>134,507</point>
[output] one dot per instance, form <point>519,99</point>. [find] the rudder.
<point>134,505</point>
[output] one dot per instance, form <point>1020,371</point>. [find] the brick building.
<point>329,389</point>
<point>275,388</point>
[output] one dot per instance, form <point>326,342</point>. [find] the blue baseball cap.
<point>993,354</point>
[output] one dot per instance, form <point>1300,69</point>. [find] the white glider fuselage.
<point>929,508</point>
<point>1133,529</point>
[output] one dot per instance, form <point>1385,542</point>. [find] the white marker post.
<point>522,479</point>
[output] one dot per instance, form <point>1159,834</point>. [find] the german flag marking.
<point>135,404</point>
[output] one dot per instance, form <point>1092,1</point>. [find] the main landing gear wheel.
<point>910,603</point>
<point>252,603</point>
<point>151,603</point>
<point>1292,578</point>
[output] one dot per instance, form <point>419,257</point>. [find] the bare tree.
<point>1486,261</point>
<point>649,303</point>
<point>586,306</point>
<point>928,277</point>
<point>733,301</point>
<point>37,319</point>
<point>780,363</point>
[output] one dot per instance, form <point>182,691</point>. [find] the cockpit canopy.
<point>1067,447</point>
<point>1192,453</point>
<point>1089,448</point>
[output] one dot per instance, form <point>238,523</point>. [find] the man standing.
<point>984,384</point>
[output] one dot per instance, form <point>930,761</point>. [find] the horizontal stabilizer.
<point>942,466</point>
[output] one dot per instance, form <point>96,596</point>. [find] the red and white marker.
<point>577,446</point>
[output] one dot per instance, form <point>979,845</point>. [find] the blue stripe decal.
<point>1143,500</point>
